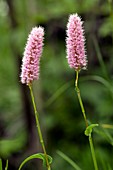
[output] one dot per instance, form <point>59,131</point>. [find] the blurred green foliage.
<point>55,95</point>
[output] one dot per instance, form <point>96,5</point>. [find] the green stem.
<point>85,119</point>
<point>38,127</point>
<point>80,99</point>
<point>93,152</point>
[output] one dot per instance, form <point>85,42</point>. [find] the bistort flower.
<point>75,43</point>
<point>32,54</point>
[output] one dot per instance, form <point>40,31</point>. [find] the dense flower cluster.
<point>32,54</point>
<point>75,43</point>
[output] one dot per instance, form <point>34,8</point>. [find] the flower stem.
<point>86,122</point>
<point>80,99</point>
<point>38,127</point>
<point>93,152</point>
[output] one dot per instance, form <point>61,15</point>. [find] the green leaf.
<point>36,156</point>
<point>107,27</point>
<point>60,90</point>
<point>0,164</point>
<point>100,58</point>
<point>105,134</point>
<point>6,165</point>
<point>89,129</point>
<point>71,162</point>
<point>109,167</point>
<point>100,80</point>
<point>9,146</point>
<point>107,126</point>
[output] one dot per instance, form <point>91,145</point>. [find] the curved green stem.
<point>38,127</point>
<point>86,122</point>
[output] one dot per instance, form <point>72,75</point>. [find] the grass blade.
<point>100,80</point>
<point>61,90</point>
<point>0,164</point>
<point>6,168</point>
<point>71,162</point>
<point>100,58</point>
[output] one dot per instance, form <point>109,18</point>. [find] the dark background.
<point>60,115</point>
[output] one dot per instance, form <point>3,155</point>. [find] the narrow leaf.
<point>89,129</point>
<point>36,156</point>
<point>0,164</point>
<point>106,135</point>
<point>107,126</point>
<point>59,92</point>
<point>6,165</point>
<point>100,80</point>
<point>71,162</point>
<point>100,58</point>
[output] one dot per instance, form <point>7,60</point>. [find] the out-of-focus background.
<point>60,115</point>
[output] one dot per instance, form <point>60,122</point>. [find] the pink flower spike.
<point>75,43</point>
<point>32,54</point>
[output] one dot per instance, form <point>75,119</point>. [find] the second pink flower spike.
<point>75,43</point>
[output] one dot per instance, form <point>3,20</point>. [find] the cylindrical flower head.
<point>32,54</point>
<point>75,43</point>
